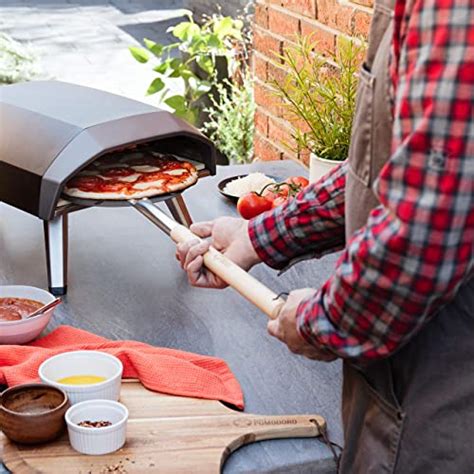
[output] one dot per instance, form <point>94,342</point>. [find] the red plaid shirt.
<point>416,248</point>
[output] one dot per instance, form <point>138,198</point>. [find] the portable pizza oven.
<point>51,130</point>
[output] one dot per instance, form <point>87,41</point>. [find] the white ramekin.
<point>97,440</point>
<point>97,363</point>
<point>25,330</point>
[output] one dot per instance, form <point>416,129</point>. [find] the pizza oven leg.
<point>178,210</point>
<point>56,239</point>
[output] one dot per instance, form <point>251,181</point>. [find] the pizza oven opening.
<point>70,126</point>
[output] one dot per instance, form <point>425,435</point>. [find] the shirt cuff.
<point>314,324</point>
<point>305,313</point>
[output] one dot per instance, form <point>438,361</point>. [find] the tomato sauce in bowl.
<point>15,309</point>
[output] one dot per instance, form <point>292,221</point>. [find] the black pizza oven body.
<point>50,130</point>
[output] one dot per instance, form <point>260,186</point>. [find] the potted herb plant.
<point>319,96</point>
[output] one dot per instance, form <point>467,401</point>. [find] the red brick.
<point>259,66</point>
<point>304,7</point>
<point>343,19</point>
<point>361,23</point>
<point>261,15</point>
<point>280,132</point>
<point>282,23</point>
<point>275,73</point>
<point>265,43</point>
<point>326,11</point>
<point>265,150</point>
<point>265,98</point>
<point>325,38</point>
<point>261,121</point>
<point>298,123</point>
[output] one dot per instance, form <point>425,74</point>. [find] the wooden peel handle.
<point>249,287</point>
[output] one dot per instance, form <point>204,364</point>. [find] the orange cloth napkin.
<point>159,369</point>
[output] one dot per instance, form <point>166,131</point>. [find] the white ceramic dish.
<point>97,440</point>
<point>96,363</point>
<point>25,330</point>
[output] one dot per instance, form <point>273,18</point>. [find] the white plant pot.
<point>318,167</point>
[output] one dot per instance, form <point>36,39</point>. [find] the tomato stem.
<point>293,188</point>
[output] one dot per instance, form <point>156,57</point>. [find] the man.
<point>399,308</point>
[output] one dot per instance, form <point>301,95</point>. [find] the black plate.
<point>222,184</point>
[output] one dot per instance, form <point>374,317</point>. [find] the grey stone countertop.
<point>124,283</point>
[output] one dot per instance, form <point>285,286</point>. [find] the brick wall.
<point>275,24</point>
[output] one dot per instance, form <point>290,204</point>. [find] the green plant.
<point>230,123</point>
<point>17,61</point>
<point>319,93</point>
<point>196,68</point>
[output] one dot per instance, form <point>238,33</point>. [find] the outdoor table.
<point>125,283</point>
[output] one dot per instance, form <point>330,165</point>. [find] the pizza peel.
<point>248,286</point>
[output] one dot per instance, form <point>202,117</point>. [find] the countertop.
<point>124,283</point>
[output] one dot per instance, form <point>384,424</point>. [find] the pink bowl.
<point>25,330</point>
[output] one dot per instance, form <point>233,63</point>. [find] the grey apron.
<point>412,413</point>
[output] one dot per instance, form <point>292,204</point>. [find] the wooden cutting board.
<point>165,434</point>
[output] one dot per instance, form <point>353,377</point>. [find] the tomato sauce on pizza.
<point>131,175</point>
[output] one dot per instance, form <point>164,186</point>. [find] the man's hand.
<point>230,236</point>
<point>284,328</point>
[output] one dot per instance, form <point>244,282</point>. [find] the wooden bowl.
<point>33,413</point>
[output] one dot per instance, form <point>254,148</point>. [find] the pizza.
<point>131,175</point>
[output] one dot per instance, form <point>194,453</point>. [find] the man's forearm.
<point>313,223</point>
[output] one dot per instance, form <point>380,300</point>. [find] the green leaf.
<point>206,64</point>
<point>180,31</point>
<point>176,102</point>
<point>139,54</point>
<point>175,74</point>
<point>214,41</point>
<point>190,115</point>
<point>161,68</point>
<point>155,48</point>
<point>186,30</point>
<point>171,46</point>
<point>186,73</point>
<point>223,26</point>
<point>156,86</point>
<point>235,34</point>
<point>175,63</point>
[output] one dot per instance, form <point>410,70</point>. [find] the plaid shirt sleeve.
<point>417,246</point>
<point>416,249</point>
<point>313,222</point>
